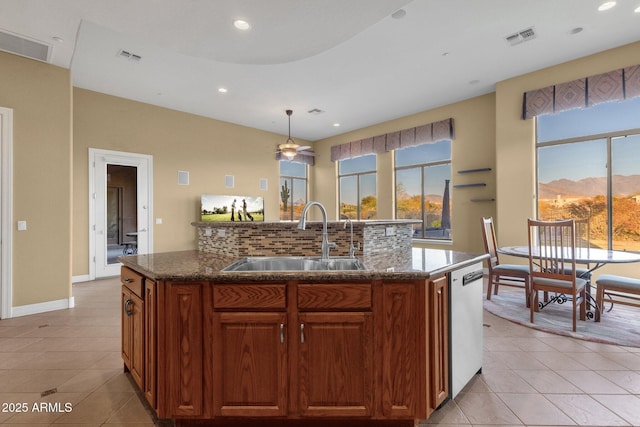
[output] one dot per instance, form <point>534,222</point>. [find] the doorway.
<point>120,210</point>
<point>6,197</point>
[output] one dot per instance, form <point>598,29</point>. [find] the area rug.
<point>619,326</point>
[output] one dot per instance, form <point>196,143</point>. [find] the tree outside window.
<point>293,189</point>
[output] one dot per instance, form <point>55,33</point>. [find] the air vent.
<point>128,55</point>
<point>315,111</point>
<point>521,36</point>
<point>24,46</point>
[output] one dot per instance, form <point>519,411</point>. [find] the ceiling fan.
<point>290,149</point>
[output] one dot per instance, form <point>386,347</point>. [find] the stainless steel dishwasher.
<point>466,325</point>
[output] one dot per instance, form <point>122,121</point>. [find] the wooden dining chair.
<point>513,275</point>
<point>552,264</point>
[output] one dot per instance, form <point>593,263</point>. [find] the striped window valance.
<point>616,85</point>
<point>424,134</point>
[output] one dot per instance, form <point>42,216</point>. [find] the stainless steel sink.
<point>295,264</point>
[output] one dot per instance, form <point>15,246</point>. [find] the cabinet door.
<point>250,364</point>
<point>335,364</point>
<point>184,350</point>
<point>126,326</point>
<point>133,335</point>
<point>439,334</point>
<point>150,331</point>
<point>402,349</point>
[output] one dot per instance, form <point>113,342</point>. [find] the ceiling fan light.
<point>288,152</point>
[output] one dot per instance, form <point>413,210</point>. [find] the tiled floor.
<point>529,377</point>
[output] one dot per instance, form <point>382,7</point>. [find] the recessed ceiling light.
<point>241,24</point>
<point>637,9</point>
<point>336,125</point>
<point>223,90</point>
<point>399,14</point>
<point>606,6</point>
<point>474,82</point>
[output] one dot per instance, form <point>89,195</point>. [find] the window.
<point>588,170</point>
<point>423,174</point>
<point>357,187</point>
<point>293,189</point>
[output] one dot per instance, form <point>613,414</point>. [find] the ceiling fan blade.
<point>307,153</point>
<point>304,147</point>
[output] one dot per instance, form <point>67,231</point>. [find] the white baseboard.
<point>43,307</point>
<point>83,278</point>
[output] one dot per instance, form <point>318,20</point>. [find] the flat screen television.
<point>215,207</point>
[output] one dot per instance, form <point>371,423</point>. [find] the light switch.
<point>158,221</point>
<point>22,225</point>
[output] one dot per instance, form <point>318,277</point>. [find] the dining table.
<point>593,258</point>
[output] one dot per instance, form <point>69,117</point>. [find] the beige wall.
<point>209,149</point>
<point>474,147</point>
<point>515,141</point>
<point>40,96</point>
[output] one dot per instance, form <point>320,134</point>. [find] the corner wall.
<point>40,96</point>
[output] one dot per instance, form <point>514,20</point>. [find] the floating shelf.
<point>483,200</point>
<point>475,170</point>
<point>478,184</point>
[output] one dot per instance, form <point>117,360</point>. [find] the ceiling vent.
<point>128,55</point>
<point>24,46</point>
<point>521,36</point>
<point>315,111</point>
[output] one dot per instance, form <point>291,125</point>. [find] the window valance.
<point>425,134</point>
<point>616,85</point>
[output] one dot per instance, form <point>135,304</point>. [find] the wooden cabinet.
<point>439,340</point>
<point>133,328</point>
<point>250,364</point>
<point>150,343</point>
<point>369,350</point>
<point>335,369</point>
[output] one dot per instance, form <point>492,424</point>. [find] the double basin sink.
<point>295,264</point>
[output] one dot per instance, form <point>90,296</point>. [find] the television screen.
<point>231,208</point>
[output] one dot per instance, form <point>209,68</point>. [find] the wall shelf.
<point>477,184</point>
<point>475,170</point>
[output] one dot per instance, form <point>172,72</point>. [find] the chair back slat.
<point>490,245</point>
<point>552,249</point>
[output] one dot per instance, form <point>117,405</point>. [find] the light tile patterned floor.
<point>529,377</point>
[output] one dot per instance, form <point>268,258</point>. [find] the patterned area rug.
<point>619,326</point>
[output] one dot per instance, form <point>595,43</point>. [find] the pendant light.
<point>289,149</point>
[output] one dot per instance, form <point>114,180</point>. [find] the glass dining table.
<point>594,258</point>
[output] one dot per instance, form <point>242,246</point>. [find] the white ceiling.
<point>349,58</point>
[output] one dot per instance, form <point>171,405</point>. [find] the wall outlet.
<point>158,221</point>
<point>222,232</point>
<point>389,231</point>
<point>207,232</point>
<point>22,225</point>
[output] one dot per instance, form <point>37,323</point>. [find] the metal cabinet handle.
<point>281,333</point>
<point>127,310</point>
<point>302,333</point>
<point>127,280</point>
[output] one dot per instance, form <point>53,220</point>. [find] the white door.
<point>103,250</point>
<point>6,220</point>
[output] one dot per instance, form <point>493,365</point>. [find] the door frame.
<point>6,211</point>
<point>145,198</point>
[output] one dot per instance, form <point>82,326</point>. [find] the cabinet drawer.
<point>132,280</point>
<point>342,296</point>
<point>250,296</point>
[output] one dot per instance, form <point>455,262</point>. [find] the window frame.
<point>422,167</point>
<point>290,179</point>
<point>358,176</point>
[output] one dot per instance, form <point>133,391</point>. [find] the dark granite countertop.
<point>195,265</point>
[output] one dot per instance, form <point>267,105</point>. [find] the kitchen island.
<point>206,344</point>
